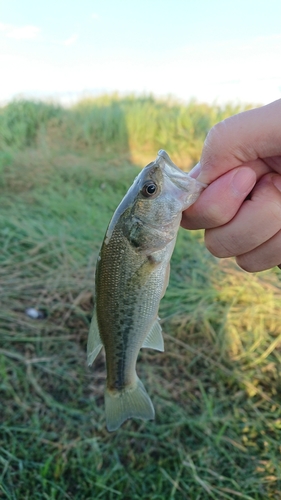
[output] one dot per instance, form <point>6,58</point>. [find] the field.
<point>216,388</point>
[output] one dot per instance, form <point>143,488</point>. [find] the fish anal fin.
<point>133,402</point>
<point>154,338</point>
<point>94,341</point>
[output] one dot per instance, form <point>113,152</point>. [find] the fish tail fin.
<point>133,402</point>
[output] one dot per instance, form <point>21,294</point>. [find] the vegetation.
<point>217,387</point>
<point>140,125</point>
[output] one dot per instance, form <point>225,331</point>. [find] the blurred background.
<point>89,92</point>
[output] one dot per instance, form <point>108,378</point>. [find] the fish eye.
<point>148,189</point>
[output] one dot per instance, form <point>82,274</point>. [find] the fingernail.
<point>243,181</point>
<point>195,171</point>
<point>277,181</point>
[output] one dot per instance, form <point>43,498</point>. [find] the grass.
<point>216,389</point>
<point>140,125</point>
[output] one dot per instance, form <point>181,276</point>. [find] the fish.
<point>132,274</point>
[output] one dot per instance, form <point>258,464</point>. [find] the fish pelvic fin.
<point>154,338</point>
<point>133,402</point>
<point>94,341</point>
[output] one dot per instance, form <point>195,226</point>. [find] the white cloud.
<point>95,16</point>
<point>71,40</point>
<point>20,32</point>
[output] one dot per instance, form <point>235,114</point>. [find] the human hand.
<point>241,207</point>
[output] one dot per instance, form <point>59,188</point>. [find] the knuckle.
<point>216,216</point>
<point>267,194</point>
<point>217,245</point>
<point>215,136</point>
<point>223,133</point>
<point>247,263</point>
<point>274,210</point>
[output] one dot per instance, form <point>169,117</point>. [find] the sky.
<point>209,50</point>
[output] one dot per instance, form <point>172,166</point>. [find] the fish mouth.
<point>181,181</point>
<point>176,175</point>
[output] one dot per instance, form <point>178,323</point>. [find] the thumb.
<point>240,139</point>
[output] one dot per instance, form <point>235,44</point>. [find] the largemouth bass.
<point>132,274</point>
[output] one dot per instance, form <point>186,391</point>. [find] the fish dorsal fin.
<point>154,338</point>
<point>94,341</point>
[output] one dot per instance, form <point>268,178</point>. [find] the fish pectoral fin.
<point>133,402</point>
<point>154,338</point>
<point>94,341</point>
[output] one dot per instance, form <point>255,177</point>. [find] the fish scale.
<point>132,274</point>
<point>118,294</point>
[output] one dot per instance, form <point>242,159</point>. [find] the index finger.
<point>242,138</point>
